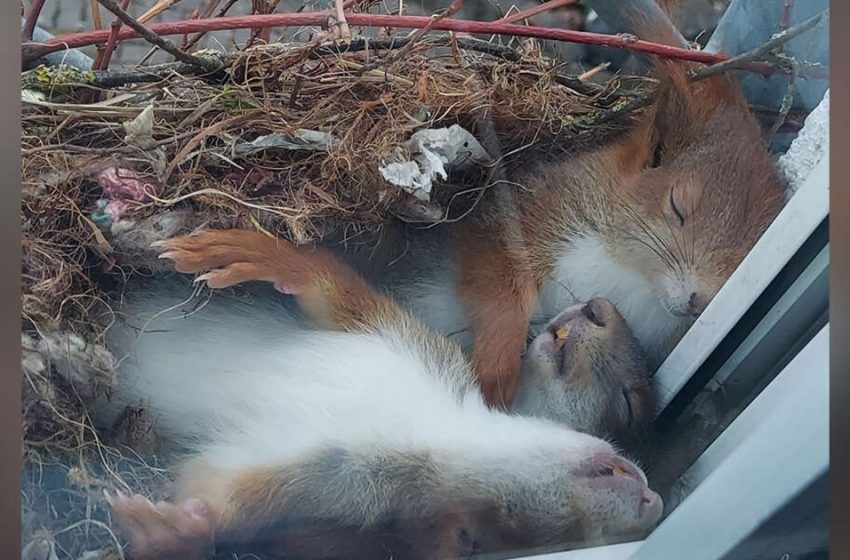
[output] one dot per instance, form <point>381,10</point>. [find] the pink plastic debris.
<point>116,209</point>
<point>124,184</point>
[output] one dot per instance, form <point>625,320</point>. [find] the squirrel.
<point>587,370</point>
<point>365,435</point>
<point>654,220</point>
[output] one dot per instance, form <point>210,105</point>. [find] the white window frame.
<point>779,444</point>
<point>773,451</point>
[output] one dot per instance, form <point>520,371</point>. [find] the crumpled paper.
<point>140,129</point>
<point>433,151</point>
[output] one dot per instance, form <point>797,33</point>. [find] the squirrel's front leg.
<point>499,293</point>
<point>327,289</point>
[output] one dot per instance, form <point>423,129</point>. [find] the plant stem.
<point>152,36</point>
<point>30,51</point>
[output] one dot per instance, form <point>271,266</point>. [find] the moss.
<point>52,78</point>
<point>234,101</point>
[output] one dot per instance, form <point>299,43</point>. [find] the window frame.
<point>769,325</point>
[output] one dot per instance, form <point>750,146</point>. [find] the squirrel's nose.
<point>697,304</point>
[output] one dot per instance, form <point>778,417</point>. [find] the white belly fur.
<point>587,269</point>
<point>243,386</point>
<point>584,270</point>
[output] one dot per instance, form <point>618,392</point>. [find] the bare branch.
<point>32,19</point>
<point>31,51</point>
<point>761,53</point>
<point>154,39</point>
<point>534,10</point>
<point>104,55</point>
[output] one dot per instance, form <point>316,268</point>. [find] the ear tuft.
<point>683,105</point>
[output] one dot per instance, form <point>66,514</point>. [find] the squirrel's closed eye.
<point>676,211</point>
<point>628,407</point>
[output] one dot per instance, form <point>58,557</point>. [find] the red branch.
<point>785,18</point>
<point>31,51</point>
<point>32,19</point>
<point>104,55</point>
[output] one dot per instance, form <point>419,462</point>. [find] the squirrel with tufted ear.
<point>655,220</point>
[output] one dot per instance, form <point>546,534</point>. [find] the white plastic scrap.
<point>433,150</point>
<point>32,96</point>
<point>808,148</point>
<point>140,128</point>
<point>300,139</point>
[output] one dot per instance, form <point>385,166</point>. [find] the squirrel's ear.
<point>684,106</point>
<point>672,119</point>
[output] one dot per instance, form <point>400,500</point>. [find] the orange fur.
<point>331,292</point>
<point>499,281</point>
<point>499,294</point>
<point>164,531</point>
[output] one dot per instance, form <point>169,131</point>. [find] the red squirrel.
<point>654,221</point>
<point>366,436</point>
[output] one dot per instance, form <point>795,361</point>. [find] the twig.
<point>223,12</point>
<point>157,9</point>
<point>341,31</point>
<point>32,19</point>
<point>263,33</point>
<point>785,19</point>
<point>625,108</point>
<point>98,24</point>
<point>95,14</point>
<point>797,115</point>
<point>759,53</point>
<point>788,97</point>
<point>594,71</point>
<point>787,102</point>
<point>101,61</point>
<point>266,32</point>
<point>184,44</point>
<point>76,40</point>
<point>31,51</point>
<point>153,38</point>
<point>533,11</point>
<point>414,38</point>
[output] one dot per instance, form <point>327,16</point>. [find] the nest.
<point>291,139</point>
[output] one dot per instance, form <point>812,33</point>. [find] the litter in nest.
<point>434,151</point>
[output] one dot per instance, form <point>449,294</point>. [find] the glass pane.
<point>352,279</point>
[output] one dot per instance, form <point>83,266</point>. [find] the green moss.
<point>588,119</point>
<point>233,101</point>
<point>52,78</point>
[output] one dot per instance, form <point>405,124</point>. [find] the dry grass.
<point>73,260</point>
